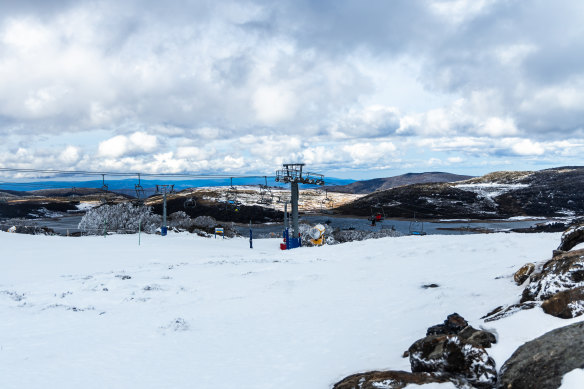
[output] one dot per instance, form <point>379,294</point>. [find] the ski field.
<point>188,312</point>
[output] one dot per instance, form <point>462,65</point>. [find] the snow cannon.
<point>317,235</point>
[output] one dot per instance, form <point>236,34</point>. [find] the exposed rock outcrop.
<point>503,311</point>
<point>387,380</point>
<point>453,324</point>
<point>563,272</point>
<point>523,273</point>
<point>566,304</point>
<point>450,354</point>
<point>456,349</point>
<point>452,351</point>
<point>572,237</point>
<point>542,362</point>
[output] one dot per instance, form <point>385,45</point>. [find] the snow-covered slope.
<point>189,312</point>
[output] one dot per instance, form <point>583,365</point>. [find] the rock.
<point>572,237</point>
<point>427,286</point>
<point>501,311</point>
<point>523,273</point>
<point>387,380</point>
<point>453,324</point>
<point>542,362</point>
<point>563,272</point>
<point>478,338</point>
<point>449,354</point>
<point>566,304</point>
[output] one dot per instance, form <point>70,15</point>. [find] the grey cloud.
<point>193,65</point>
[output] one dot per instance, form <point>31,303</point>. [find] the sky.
<point>353,89</point>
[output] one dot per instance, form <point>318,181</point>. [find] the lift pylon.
<point>292,174</point>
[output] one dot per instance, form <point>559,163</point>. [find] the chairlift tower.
<point>292,173</point>
<point>164,188</point>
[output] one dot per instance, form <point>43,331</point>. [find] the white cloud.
<point>70,155</point>
<point>527,147</point>
<point>497,127</point>
<point>274,104</point>
<point>459,11</point>
<point>220,85</point>
<point>121,145</point>
<point>368,122</point>
<point>369,152</point>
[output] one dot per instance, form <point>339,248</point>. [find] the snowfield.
<point>490,190</point>
<point>188,312</point>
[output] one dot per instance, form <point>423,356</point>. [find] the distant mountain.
<point>550,193</point>
<point>127,186</point>
<point>370,186</point>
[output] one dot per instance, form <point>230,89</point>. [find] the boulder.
<point>572,237</point>
<point>566,304</point>
<point>542,362</point>
<point>453,324</point>
<point>477,338</point>
<point>523,273</point>
<point>563,272</point>
<point>451,355</point>
<point>387,380</point>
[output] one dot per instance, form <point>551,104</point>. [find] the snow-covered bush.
<point>342,236</point>
<point>124,217</point>
<point>180,220</point>
<point>204,222</point>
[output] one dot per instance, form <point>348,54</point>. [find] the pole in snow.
<point>164,212</point>
<point>250,236</point>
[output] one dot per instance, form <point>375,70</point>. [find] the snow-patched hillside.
<point>189,312</point>
<point>554,192</point>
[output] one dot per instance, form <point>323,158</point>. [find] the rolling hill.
<point>549,192</point>
<point>370,186</point>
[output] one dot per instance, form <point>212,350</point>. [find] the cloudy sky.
<point>352,88</point>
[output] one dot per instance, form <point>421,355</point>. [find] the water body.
<point>405,227</point>
<point>69,224</point>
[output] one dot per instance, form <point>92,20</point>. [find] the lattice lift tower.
<point>292,173</point>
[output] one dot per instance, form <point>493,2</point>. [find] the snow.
<point>185,311</point>
<point>85,206</point>
<point>490,190</point>
<point>573,379</point>
<point>521,218</point>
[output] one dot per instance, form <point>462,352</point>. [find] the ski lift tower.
<point>292,173</point>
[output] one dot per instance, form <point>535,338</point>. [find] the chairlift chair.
<point>377,215</point>
<point>417,227</point>
<point>232,202</point>
<point>104,190</point>
<point>266,195</point>
<point>139,192</point>
<point>327,201</point>
<point>190,202</point>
